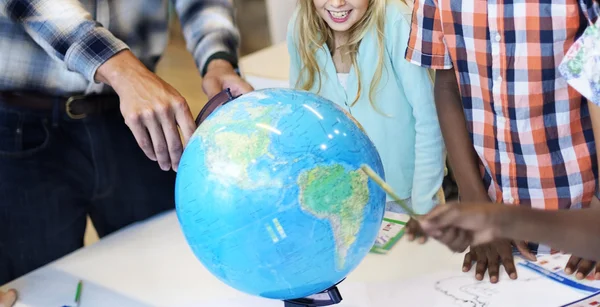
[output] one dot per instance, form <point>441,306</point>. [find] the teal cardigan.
<point>409,139</point>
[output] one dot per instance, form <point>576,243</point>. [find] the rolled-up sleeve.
<point>426,45</point>
<point>66,31</point>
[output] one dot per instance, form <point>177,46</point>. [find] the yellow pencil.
<point>369,171</point>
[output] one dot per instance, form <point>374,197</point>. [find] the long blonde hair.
<point>313,32</point>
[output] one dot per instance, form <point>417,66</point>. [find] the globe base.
<point>328,297</point>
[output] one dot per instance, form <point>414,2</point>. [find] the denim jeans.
<point>55,171</point>
<point>393,206</point>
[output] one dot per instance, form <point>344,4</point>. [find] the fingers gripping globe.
<point>271,197</point>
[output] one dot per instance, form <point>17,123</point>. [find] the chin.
<point>336,27</point>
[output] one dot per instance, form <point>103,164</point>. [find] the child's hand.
<point>8,299</point>
<point>414,232</point>
<point>582,268</point>
<point>464,224</point>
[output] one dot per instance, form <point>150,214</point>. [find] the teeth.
<point>339,14</point>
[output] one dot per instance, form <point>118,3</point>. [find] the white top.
<point>343,78</point>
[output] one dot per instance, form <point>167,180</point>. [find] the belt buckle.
<point>68,108</point>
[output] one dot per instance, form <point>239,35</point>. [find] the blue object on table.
<point>271,197</point>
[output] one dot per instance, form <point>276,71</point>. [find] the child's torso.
<point>394,134</point>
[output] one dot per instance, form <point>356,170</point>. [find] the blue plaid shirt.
<point>56,46</point>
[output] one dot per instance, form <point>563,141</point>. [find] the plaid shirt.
<point>56,46</point>
<point>532,133</point>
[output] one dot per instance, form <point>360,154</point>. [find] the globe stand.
<point>328,297</point>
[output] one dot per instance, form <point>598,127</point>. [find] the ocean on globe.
<point>271,197</point>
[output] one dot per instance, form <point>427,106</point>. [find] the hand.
<point>582,267</point>
<point>8,299</point>
<point>462,224</point>
<point>152,108</point>
<point>488,257</point>
<point>221,75</point>
<point>414,231</point>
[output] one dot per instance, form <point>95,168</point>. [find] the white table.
<point>150,264</point>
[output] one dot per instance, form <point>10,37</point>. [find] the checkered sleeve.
<point>66,31</point>
<point>209,30</point>
<point>426,42</point>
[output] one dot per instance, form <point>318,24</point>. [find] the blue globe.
<point>271,197</point>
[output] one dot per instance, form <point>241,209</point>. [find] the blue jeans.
<point>392,206</point>
<point>55,171</point>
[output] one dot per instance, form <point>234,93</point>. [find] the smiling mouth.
<point>339,16</point>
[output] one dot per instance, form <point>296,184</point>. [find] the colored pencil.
<point>369,171</point>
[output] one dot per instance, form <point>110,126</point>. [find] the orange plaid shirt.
<point>531,131</point>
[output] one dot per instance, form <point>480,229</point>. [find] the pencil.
<point>383,185</point>
<point>78,293</point>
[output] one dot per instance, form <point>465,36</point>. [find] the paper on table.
<point>457,289</point>
<point>52,287</point>
<point>592,300</point>
<point>390,232</point>
<point>262,83</point>
<point>552,266</point>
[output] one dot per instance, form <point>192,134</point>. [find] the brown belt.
<point>76,107</point>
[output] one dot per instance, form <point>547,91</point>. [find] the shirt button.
<point>511,200</point>
<point>499,79</point>
<point>498,37</point>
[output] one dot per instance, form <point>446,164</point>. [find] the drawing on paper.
<point>466,291</point>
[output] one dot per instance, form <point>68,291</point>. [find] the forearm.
<point>595,115</point>
<point>66,31</point>
<point>572,231</point>
<point>122,69</point>
<point>462,155</point>
<point>209,30</point>
<point>429,171</point>
<point>429,144</point>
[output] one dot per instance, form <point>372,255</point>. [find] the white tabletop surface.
<point>150,264</point>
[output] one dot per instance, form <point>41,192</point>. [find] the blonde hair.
<point>313,32</point>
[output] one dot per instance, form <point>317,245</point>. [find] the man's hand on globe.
<point>153,109</point>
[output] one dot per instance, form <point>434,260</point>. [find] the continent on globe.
<point>232,152</point>
<point>340,196</point>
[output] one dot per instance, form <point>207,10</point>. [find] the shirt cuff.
<point>221,55</point>
<point>93,50</point>
<point>431,61</point>
<point>218,45</point>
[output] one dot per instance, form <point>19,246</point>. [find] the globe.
<point>271,197</point>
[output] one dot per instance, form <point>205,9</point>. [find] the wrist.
<point>501,221</point>
<point>118,69</point>
<point>219,64</point>
<point>222,60</point>
<point>507,220</point>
